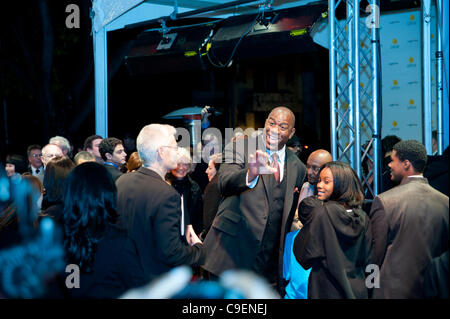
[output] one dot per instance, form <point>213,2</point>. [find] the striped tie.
<point>275,164</point>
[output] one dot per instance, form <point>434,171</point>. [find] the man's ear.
<point>407,165</point>
<point>108,156</point>
<point>292,133</point>
<point>159,152</point>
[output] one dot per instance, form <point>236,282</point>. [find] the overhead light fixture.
<point>267,16</point>
<point>167,38</point>
<point>166,41</point>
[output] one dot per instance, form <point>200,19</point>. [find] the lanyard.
<point>112,164</point>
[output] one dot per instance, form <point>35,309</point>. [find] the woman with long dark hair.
<point>55,176</point>
<point>335,240</point>
<point>106,256</point>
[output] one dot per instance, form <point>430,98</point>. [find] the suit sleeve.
<point>368,241</point>
<point>380,229</point>
<point>170,248</point>
<point>308,245</point>
<point>131,268</point>
<point>301,179</point>
<point>210,205</point>
<point>233,176</point>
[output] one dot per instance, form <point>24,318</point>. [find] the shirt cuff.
<point>253,183</point>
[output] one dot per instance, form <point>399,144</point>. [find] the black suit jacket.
<point>237,231</point>
<point>211,201</point>
<point>436,172</point>
<point>115,173</point>
<point>150,210</point>
<point>116,268</point>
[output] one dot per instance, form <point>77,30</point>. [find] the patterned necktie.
<point>275,164</point>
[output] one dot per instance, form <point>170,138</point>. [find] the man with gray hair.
<point>82,157</point>
<point>63,143</point>
<point>49,152</point>
<point>150,209</point>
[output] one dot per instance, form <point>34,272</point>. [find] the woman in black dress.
<point>106,256</point>
<point>335,240</point>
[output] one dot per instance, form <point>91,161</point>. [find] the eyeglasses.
<point>36,155</point>
<point>314,168</point>
<point>49,155</point>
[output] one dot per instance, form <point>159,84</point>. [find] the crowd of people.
<point>311,231</point>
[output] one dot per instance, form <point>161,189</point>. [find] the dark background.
<point>47,80</point>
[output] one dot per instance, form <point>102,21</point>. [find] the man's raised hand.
<point>259,164</point>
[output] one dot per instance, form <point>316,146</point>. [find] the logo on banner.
<point>411,63</point>
<point>395,126</point>
<point>412,105</point>
<point>395,85</point>
<point>412,20</point>
<point>395,44</point>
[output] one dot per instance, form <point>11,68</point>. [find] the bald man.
<point>49,152</point>
<point>259,201</point>
<point>315,160</point>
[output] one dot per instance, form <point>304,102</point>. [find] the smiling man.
<point>258,207</point>
<point>315,160</point>
<point>409,225</point>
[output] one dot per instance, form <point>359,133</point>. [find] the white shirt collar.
<point>416,176</point>
<point>34,169</point>
<point>281,154</point>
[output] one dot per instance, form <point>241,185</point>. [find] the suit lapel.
<point>290,183</point>
<point>264,177</point>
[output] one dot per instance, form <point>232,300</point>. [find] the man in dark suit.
<point>150,209</point>
<point>36,168</point>
<point>409,225</point>
<point>113,154</point>
<point>91,145</point>
<point>436,171</point>
<point>259,201</point>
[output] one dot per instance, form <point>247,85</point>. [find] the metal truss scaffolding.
<point>355,74</point>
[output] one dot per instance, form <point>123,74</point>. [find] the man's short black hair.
<point>107,145</point>
<point>388,142</point>
<point>413,151</point>
<point>89,140</point>
<point>33,147</point>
